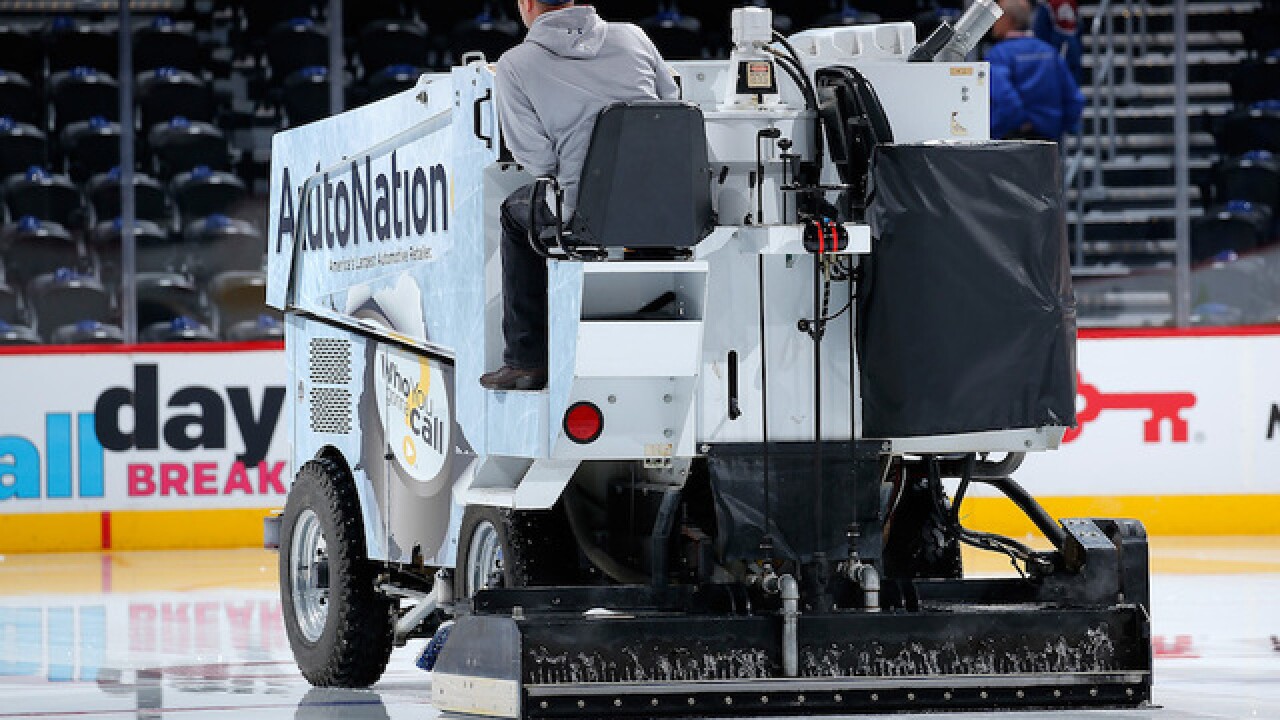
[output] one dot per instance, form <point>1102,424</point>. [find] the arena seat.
<point>164,297</point>
<point>88,332</point>
<point>390,80</point>
<point>65,297</point>
<point>167,92</point>
<point>1255,82</point>
<point>33,247</point>
<point>155,251</point>
<point>1229,229</point>
<point>19,99</point>
<point>1260,31</point>
<point>1253,176</point>
<point>1240,289</point>
<point>356,17</point>
<point>22,52</point>
<point>12,308</point>
<point>42,195</point>
<point>263,327</point>
<point>295,44</point>
<point>1256,127</point>
<point>842,13</point>
<point>149,198</point>
<point>72,43</point>
<point>218,244</point>
<point>165,43</point>
<point>22,145</point>
<point>182,144</point>
<point>677,36</point>
<point>306,95</point>
<point>179,329</point>
<point>201,191</point>
<point>392,41</point>
<point>17,335</point>
<point>238,297</point>
<point>82,93</point>
<point>91,147</point>
<point>491,32</point>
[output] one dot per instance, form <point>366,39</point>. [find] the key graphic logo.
<point>1161,408</point>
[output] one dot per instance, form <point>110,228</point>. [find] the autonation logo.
<point>391,203</point>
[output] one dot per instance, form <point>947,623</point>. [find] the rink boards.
<point>184,446</point>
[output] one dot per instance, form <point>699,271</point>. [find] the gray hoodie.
<point>551,87</point>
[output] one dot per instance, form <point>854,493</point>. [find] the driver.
<point>549,90</point>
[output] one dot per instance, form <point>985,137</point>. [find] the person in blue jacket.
<point>1057,22</point>
<point>1033,94</point>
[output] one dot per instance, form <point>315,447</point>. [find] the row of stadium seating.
<point>1235,243</point>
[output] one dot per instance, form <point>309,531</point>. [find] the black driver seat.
<point>646,184</point>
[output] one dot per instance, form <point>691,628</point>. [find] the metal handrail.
<point>1103,70</point>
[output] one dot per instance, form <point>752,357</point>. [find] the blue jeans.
<point>524,283</point>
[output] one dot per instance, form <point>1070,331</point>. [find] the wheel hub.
<point>309,565</point>
<point>484,557</point>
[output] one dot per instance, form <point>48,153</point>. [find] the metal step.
<point>1201,16</point>
<point>1157,68</point>
<point>1164,41</point>
<point>1144,95</point>
<point>1153,119</point>
<point>1144,144</point>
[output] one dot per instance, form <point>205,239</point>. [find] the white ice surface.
<point>221,653</point>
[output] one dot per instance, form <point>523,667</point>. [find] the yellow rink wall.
<point>1183,515</point>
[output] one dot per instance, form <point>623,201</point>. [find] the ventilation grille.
<point>331,410</point>
<point>330,366</point>
<point>330,361</point>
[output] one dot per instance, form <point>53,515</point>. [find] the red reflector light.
<point>583,422</point>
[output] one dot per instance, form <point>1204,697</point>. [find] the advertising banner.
<point>1170,415</point>
<point>199,428</point>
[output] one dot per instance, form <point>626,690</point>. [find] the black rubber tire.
<point>537,547</point>
<point>355,644</point>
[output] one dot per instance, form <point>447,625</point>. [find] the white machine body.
<point>385,253</point>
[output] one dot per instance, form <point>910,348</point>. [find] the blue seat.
<point>72,43</point>
<point>167,92</point>
<point>88,332</point>
<point>392,41</point>
<point>66,297</point>
<point>19,99</point>
<point>180,329</point>
<point>40,194</point>
<point>294,44</point>
<point>33,248</point>
<point>91,147</point>
<point>218,244</point>
<point>182,144</point>
<point>150,200</point>
<point>202,191</point>
<point>22,145</point>
<point>11,334</point>
<point>81,93</point>
<point>165,297</point>
<point>165,43</point>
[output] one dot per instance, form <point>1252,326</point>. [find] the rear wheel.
<point>339,626</point>
<point>499,547</point>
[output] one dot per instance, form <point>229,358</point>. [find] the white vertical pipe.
<point>128,246</point>
<point>1181,163</point>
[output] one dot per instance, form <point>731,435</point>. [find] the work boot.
<point>510,378</point>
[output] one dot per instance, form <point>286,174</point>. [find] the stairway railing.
<point>1102,51</point>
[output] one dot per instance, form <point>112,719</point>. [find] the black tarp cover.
<point>967,317</point>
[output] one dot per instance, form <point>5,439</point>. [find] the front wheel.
<point>340,627</point>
